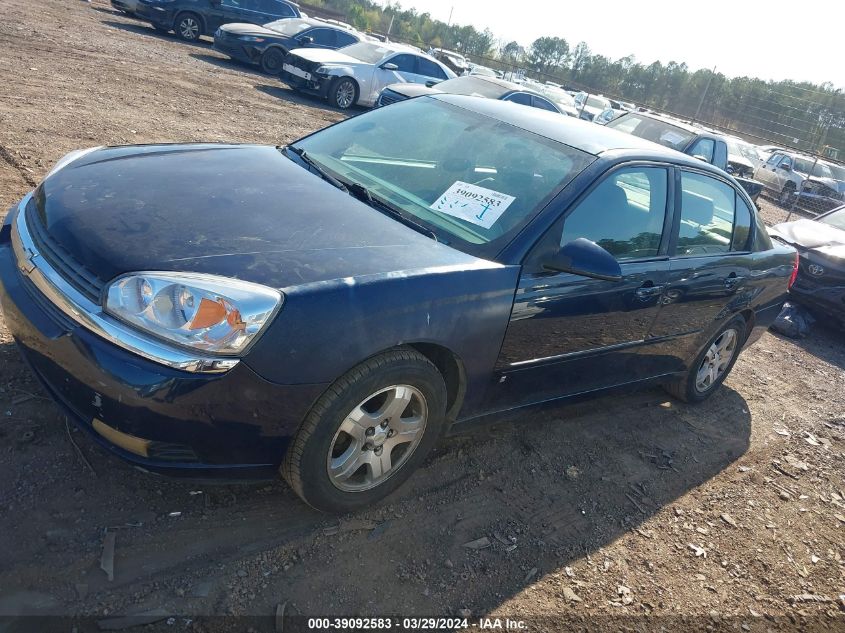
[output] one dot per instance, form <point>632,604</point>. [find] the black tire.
<point>785,196</point>
<point>685,388</point>
<point>272,60</point>
<point>306,463</point>
<point>188,26</point>
<point>339,91</point>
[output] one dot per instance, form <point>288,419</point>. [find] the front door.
<point>570,334</point>
<point>225,12</point>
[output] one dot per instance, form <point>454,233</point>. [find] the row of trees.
<point>799,114</point>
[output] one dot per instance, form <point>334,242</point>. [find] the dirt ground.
<point>725,516</point>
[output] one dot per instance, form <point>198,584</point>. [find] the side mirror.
<point>306,39</point>
<point>786,167</point>
<point>701,158</point>
<point>390,66</point>
<point>431,82</point>
<point>585,258</point>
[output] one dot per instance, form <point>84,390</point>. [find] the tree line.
<point>805,115</point>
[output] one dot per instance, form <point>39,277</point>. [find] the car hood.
<point>739,160</point>
<point>242,211</point>
<point>326,56</point>
<point>242,28</point>
<point>813,235</point>
<point>409,89</point>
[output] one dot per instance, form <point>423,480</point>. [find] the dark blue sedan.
<point>332,307</point>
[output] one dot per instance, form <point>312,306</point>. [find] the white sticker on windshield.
<point>473,204</point>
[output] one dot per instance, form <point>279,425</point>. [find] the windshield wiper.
<point>363,194</point>
<point>314,167</point>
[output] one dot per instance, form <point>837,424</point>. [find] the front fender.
<point>326,328</point>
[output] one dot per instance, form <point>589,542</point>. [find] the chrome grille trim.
<point>79,308</point>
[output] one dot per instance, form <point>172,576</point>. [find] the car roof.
<point>583,135</point>
<point>329,24</point>
<point>506,86</point>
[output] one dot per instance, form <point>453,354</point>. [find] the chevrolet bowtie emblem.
<point>27,264</point>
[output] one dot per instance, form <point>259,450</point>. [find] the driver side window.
<point>405,63</point>
<point>624,214</point>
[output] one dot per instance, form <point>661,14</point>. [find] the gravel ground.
<point>725,516</point>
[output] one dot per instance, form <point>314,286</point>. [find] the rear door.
<point>264,11</point>
<point>710,263</point>
<point>570,334</point>
<point>225,12</point>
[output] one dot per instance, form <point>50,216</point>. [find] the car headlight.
<point>68,158</point>
<point>205,312</point>
<point>251,38</point>
<point>323,70</point>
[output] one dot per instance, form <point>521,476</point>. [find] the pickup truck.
<point>711,147</point>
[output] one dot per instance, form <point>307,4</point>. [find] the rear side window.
<point>521,98</point>
<point>541,103</point>
<point>714,218</point>
<point>742,225</point>
<point>344,39</point>
<point>429,69</point>
<point>624,214</point>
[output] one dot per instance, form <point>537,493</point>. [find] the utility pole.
<point>704,94</point>
<point>449,23</point>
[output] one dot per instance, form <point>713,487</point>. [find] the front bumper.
<point>161,16</point>
<point>233,425</point>
<point>236,50</point>
<point>313,83</point>
<point>828,299</point>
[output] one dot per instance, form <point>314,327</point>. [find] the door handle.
<point>732,280</point>
<point>646,292</point>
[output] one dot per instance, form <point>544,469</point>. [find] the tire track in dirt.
<point>7,156</point>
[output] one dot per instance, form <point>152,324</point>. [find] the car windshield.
<point>652,130</point>
<point>288,26</point>
<point>835,218</point>
<point>805,166</point>
<point>469,85</point>
<point>475,181</point>
<point>367,52</point>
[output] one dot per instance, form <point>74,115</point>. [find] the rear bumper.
<point>232,425</point>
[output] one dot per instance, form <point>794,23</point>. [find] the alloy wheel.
<point>716,360</point>
<point>189,28</point>
<point>376,438</point>
<point>345,94</point>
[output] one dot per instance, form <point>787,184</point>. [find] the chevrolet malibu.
<point>331,308</point>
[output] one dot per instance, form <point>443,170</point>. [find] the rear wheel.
<point>188,27</point>
<point>272,60</point>
<point>712,365</point>
<point>343,93</point>
<point>368,433</point>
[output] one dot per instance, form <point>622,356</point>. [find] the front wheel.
<point>712,365</point>
<point>343,93</point>
<point>272,60</point>
<point>368,432</point>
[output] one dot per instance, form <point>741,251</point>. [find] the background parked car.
<point>487,87</point>
<point>564,101</point>
<point>358,73</point>
<point>838,172</point>
<point>787,175</point>
<point>709,146</point>
<point>590,106</point>
<point>190,19</point>
<point>452,60</point>
<point>820,242</point>
<point>743,158</point>
<point>483,71</point>
<point>268,45</point>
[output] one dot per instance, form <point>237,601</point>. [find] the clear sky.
<point>740,37</point>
